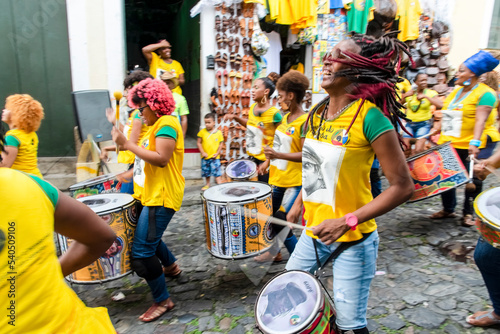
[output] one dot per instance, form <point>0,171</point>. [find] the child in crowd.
<point>209,144</point>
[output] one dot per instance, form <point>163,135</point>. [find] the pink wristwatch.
<point>351,221</point>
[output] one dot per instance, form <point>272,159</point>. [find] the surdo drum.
<point>487,207</point>
<point>103,184</point>
<point>242,170</point>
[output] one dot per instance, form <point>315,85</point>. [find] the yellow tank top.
<point>127,157</point>
<point>41,301</point>
<point>336,176</point>
<point>27,151</point>
<point>287,139</point>
<point>260,131</point>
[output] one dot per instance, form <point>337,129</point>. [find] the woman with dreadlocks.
<point>343,133</point>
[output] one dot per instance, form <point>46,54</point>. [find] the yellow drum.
<point>233,227</point>
<point>487,207</point>
<point>119,211</point>
<point>241,170</point>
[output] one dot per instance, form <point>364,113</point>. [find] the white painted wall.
<point>208,47</point>
<point>96,31</point>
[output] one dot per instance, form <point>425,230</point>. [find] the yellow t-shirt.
<point>41,300</point>
<point>403,87</point>
<point>210,142</point>
<point>27,150</point>
<point>260,131</point>
<point>408,12</point>
<point>287,139</point>
<point>336,168</point>
<point>419,111</point>
<point>459,117</point>
<point>158,66</point>
<point>127,157</point>
<point>161,186</point>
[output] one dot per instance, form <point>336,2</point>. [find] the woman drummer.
<point>158,185</point>
<point>23,114</point>
<point>342,135</point>
<point>284,158</point>
<point>263,118</point>
<point>465,124</point>
<point>420,115</point>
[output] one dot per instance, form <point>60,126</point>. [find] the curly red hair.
<point>26,112</point>
<point>156,95</point>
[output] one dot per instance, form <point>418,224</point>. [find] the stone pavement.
<point>418,289</point>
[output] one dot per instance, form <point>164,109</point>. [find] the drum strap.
<point>342,247</point>
<point>151,224</point>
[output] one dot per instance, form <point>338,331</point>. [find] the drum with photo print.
<point>233,225</point>
<point>435,171</point>
<point>119,211</point>
<point>103,184</point>
<point>294,302</point>
<point>487,207</point>
<point>241,170</point>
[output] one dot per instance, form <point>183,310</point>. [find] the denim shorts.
<point>210,167</point>
<point>417,129</point>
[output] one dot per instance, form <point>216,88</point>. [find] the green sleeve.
<point>183,107</point>
<point>277,117</point>
<point>488,99</point>
<point>51,191</point>
<point>376,124</point>
<point>137,116</point>
<point>11,140</point>
<point>200,133</point>
<point>167,132</point>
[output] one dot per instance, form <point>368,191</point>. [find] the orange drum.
<point>234,229</point>
<point>487,207</point>
<point>241,170</point>
<point>119,211</point>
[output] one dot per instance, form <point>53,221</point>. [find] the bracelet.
<point>475,142</point>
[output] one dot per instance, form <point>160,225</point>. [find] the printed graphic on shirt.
<point>254,139</point>
<point>283,144</point>
<point>359,4</point>
<point>452,122</point>
<point>321,164</point>
<point>139,176</point>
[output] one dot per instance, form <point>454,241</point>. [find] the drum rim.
<point>240,177</point>
<point>439,193</point>
<point>434,148</point>
<point>82,184</point>
<point>314,313</point>
<point>104,212</point>
<point>480,215</point>
<point>241,202</point>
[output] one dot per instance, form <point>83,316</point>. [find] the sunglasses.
<point>141,109</point>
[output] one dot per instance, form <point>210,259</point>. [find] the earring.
<point>467,82</point>
<point>264,100</point>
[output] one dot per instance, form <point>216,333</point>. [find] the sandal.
<point>243,24</point>
<point>237,62</point>
<point>219,93</point>
<point>236,44</point>
<point>225,77</point>
<point>268,257</point>
<point>232,59</point>
<point>224,60</point>
<point>442,214</point>
<point>157,310</point>
<point>237,94</point>
<point>219,78</point>
<point>488,318</point>
<point>468,221</point>
<point>173,270</point>
<point>217,23</point>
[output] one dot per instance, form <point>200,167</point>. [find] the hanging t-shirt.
<point>272,55</point>
<point>27,150</point>
<point>336,173</point>
<point>210,142</point>
<point>334,4</point>
<point>408,13</point>
<point>260,131</point>
<point>359,13</point>
<point>287,139</point>
<point>158,66</point>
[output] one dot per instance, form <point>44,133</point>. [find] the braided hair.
<point>373,74</point>
<point>2,140</point>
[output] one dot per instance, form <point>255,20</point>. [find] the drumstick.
<point>422,137</point>
<point>489,169</point>
<point>118,96</point>
<point>281,222</point>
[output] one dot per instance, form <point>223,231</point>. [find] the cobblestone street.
<point>418,288</point>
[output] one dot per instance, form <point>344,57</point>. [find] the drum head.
<point>236,192</point>
<point>487,206</point>
<point>288,303</point>
<point>241,169</point>
<point>92,181</point>
<point>103,203</point>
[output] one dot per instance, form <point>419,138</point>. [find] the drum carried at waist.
<point>119,211</point>
<point>435,171</point>
<point>487,207</point>
<point>241,170</point>
<point>233,228</point>
<point>103,184</point>
<point>294,302</point>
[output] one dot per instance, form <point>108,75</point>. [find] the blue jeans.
<point>143,248</point>
<point>353,272</point>
<point>128,187</point>
<point>449,198</point>
<point>487,260</point>
<point>417,129</point>
<point>283,198</point>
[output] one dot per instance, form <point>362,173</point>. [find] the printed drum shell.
<point>487,207</point>
<point>103,184</point>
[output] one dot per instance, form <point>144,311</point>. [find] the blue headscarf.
<point>481,63</point>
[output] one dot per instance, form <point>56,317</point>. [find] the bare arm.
<point>184,124</point>
<point>294,157</point>
<point>91,234</point>
<point>241,120</point>
<point>436,101</point>
<point>482,113</point>
<point>9,156</point>
<point>182,80</point>
<point>135,133</point>
<point>296,210</point>
<point>200,147</point>
<point>148,49</point>
<point>393,163</point>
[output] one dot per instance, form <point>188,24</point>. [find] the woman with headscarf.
<point>464,124</point>
<point>158,185</point>
<point>342,135</point>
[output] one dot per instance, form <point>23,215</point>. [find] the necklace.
<point>338,112</point>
